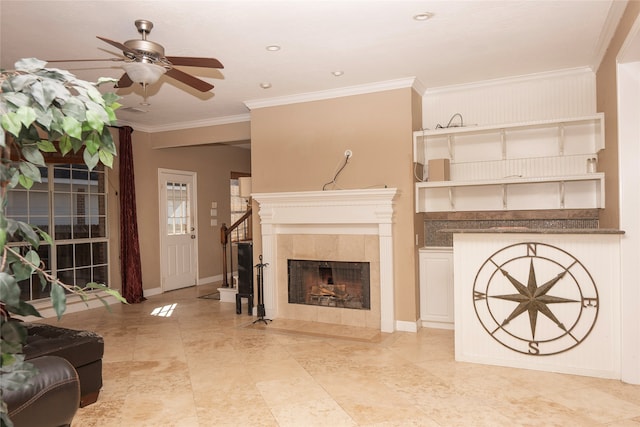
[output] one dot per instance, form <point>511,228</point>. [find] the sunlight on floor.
<point>164,311</point>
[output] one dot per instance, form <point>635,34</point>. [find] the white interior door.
<point>178,237</point>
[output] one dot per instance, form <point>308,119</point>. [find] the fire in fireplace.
<point>329,283</point>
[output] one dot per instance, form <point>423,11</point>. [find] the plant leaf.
<point>53,90</point>
<point>27,115</point>
<point>33,155</point>
<point>13,335</point>
<point>46,146</point>
<point>25,181</point>
<point>28,233</point>
<point>11,123</point>
<point>44,236</point>
<point>72,127</point>
<point>92,143</point>
<point>58,299</point>
<point>18,99</point>
<point>30,171</point>
<point>106,158</point>
<point>107,142</point>
<point>9,289</point>
<point>24,309</point>
<point>21,271</point>
<point>75,108</point>
<point>33,257</point>
<point>30,65</point>
<point>65,144</point>
<point>95,120</point>
<point>90,160</point>
<point>108,290</point>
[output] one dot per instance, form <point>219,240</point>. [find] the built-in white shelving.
<point>522,166</point>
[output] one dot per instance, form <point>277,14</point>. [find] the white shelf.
<point>598,176</point>
<point>521,166</point>
<point>592,119</point>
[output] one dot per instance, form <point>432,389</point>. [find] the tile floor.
<point>206,366</point>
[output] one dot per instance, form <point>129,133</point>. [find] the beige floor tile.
<point>206,366</point>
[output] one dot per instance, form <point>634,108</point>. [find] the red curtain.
<point>130,265</point>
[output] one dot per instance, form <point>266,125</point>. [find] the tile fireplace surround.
<point>340,225</point>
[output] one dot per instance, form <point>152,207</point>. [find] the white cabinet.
<point>436,287</point>
<point>525,166</point>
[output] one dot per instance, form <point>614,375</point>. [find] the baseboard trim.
<point>151,292</point>
<point>405,326</point>
<point>437,325</point>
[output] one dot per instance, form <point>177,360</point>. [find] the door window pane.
<point>178,215</point>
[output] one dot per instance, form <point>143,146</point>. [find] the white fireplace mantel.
<point>329,212</point>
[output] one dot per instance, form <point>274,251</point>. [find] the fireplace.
<point>341,225</point>
<point>329,283</point>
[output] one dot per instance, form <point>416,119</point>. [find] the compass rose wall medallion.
<point>535,299</point>
<point>538,301</point>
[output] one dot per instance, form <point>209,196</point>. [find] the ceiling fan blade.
<point>118,45</point>
<point>86,60</point>
<point>125,81</point>
<point>193,61</point>
<point>190,80</point>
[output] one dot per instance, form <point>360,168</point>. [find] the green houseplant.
<point>42,110</point>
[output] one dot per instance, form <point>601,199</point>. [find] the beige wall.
<point>418,219</point>
<point>213,165</point>
<point>299,147</point>
<point>230,132</point>
<point>607,103</point>
<point>113,214</point>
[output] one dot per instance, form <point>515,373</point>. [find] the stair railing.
<point>225,232</point>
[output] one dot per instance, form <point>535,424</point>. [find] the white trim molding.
<point>335,93</point>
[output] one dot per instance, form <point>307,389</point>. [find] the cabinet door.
<point>436,288</point>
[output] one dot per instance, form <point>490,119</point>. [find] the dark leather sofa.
<point>83,349</point>
<point>50,400</point>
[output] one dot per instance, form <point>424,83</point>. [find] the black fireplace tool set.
<point>261,312</point>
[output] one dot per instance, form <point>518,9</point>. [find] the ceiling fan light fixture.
<point>143,72</point>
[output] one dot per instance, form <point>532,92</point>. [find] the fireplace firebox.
<point>341,284</point>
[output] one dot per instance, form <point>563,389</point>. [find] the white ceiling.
<point>371,41</point>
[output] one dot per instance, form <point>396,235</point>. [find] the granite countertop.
<point>523,230</point>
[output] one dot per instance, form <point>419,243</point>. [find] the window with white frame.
<point>71,205</point>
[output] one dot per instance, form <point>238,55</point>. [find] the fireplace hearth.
<point>329,283</point>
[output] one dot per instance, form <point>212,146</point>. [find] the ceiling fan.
<point>145,61</point>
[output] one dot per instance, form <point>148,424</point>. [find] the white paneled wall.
<point>545,96</point>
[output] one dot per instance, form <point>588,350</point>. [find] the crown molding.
<point>331,93</point>
<point>616,10</point>
<point>419,87</point>
<point>512,79</point>
<point>238,118</point>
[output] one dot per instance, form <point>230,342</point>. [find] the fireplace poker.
<point>261,312</point>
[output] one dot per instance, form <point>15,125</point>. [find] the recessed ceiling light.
<point>265,85</point>
<point>425,16</point>
<point>337,73</point>
<point>273,48</point>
